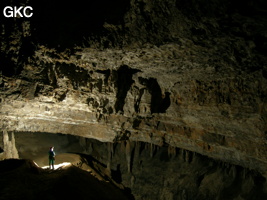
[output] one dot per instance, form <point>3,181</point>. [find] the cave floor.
<point>24,179</point>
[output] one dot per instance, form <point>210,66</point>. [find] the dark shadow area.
<point>31,182</point>
<point>10,164</point>
<point>164,154</point>
<point>77,77</point>
<point>99,167</point>
<point>7,66</point>
<point>211,8</point>
<point>63,24</point>
<point>116,175</point>
<point>106,73</point>
<point>123,83</point>
<point>159,102</point>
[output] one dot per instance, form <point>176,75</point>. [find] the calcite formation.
<point>164,78</point>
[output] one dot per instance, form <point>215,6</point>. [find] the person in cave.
<point>51,157</point>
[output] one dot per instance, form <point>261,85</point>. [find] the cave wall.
<point>150,171</point>
<point>213,117</point>
<point>146,170</point>
<point>184,73</point>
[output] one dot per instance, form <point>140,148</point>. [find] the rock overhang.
<point>216,130</point>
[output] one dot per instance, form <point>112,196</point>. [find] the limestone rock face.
<point>10,150</point>
<point>181,73</point>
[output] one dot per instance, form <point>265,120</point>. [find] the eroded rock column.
<point>10,150</point>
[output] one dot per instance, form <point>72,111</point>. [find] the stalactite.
<point>10,150</point>
<point>114,147</point>
<point>233,171</point>
<point>137,148</point>
<point>132,181</point>
<point>110,150</point>
<point>183,154</point>
<point>171,151</point>
<point>148,146</point>
<point>187,156</point>
<point>110,154</point>
<point>226,165</point>
<point>151,150</point>
<point>82,142</point>
<point>89,148</point>
<point>128,155</point>
<point>122,147</point>
<point>193,156</point>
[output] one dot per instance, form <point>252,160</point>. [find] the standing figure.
<point>51,157</point>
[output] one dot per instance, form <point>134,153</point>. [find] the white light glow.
<point>64,164</point>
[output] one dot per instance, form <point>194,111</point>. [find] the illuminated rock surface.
<point>183,75</point>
